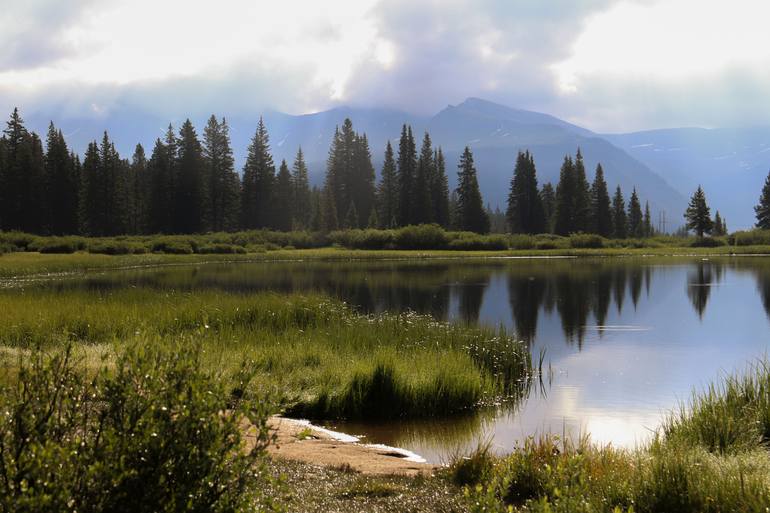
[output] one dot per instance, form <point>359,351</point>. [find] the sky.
<point>609,65</point>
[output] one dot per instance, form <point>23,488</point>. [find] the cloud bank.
<point>611,65</point>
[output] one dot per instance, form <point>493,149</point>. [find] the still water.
<point>625,339</point>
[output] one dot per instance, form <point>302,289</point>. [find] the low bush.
<point>172,245</point>
<point>522,241</point>
<point>467,241</point>
<point>707,242</point>
<point>586,240</point>
<point>116,247</point>
<point>364,239</point>
<point>221,248</point>
<point>57,244</point>
<point>147,434</point>
<point>750,238</point>
<point>424,236</point>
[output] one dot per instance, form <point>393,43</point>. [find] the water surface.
<point>625,339</point>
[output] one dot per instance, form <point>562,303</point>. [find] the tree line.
<point>189,184</point>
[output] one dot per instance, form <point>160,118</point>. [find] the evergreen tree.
<point>440,190</point>
<point>601,209</point>
<point>192,194</point>
<point>161,195</point>
<point>648,231</point>
<point>90,193</point>
<point>139,190</point>
<point>635,219</point>
<point>698,215</point>
<point>619,221</point>
<point>564,215</point>
<point>548,200</point>
<point>362,180</point>
<point>525,208</point>
<point>762,210</point>
<point>258,178</point>
<point>717,230</point>
<point>471,215</point>
<point>284,189</point>
<point>61,185</point>
<point>328,220</point>
<point>351,217</point>
<point>581,206</point>
<point>407,168</point>
<point>223,182</point>
<point>424,179</point>
<point>373,221</point>
<point>387,191</point>
<point>301,199</point>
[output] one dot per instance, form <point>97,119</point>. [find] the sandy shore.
<point>301,441</point>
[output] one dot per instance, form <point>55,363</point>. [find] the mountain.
<point>730,163</point>
<point>494,132</point>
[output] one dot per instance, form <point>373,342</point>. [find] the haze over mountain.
<point>494,132</point>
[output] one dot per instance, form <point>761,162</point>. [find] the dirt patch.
<point>301,441</point>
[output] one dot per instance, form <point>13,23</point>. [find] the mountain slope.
<point>731,164</point>
<point>494,132</point>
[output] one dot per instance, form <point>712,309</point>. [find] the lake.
<point>624,340</point>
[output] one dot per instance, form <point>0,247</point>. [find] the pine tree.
<point>407,168</point>
<point>635,219</point>
<point>351,217</point>
<point>89,202</point>
<point>717,230</point>
<point>423,197</point>
<point>139,191</point>
<point>61,186</point>
<point>564,215</point>
<point>440,188</point>
<point>301,199</point>
<point>223,182</point>
<point>601,209</point>
<point>192,194</point>
<point>362,179</point>
<point>373,222</point>
<point>698,215</point>
<point>160,207</point>
<point>328,220</point>
<point>284,198</point>
<point>258,178</point>
<point>16,138</point>
<point>525,208</point>
<point>548,200</point>
<point>619,221</point>
<point>471,215</point>
<point>647,220</point>
<point>762,210</point>
<point>387,191</point>
<point>581,207</point>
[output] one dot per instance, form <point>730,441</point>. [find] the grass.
<point>314,356</point>
<point>710,456</point>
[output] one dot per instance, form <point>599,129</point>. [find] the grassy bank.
<point>313,356</point>
<point>710,456</point>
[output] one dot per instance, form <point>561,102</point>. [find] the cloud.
<point>608,64</point>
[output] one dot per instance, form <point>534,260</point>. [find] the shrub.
<point>423,236</point>
<point>707,242</point>
<point>147,435</point>
<point>172,245</point>
<point>57,244</point>
<point>522,241</point>
<point>474,242</point>
<point>750,238</point>
<point>586,240</point>
<point>221,249</point>
<point>474,468</point>
<point>116,247</point>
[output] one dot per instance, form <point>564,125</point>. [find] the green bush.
<point>522,241</point>
<point>172,245</point>
<point>116,247</point>
<point>586,240</point>
<point>707,242</point>
<point>750,238</point>
<point>467,241</point>
<point>57,244</point>
<point>146,435</point>
<point>221,248</point>
<point>423,236</point>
